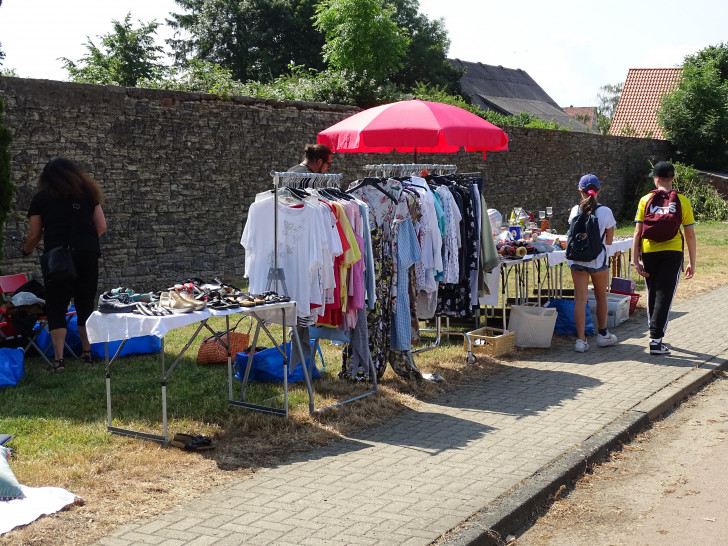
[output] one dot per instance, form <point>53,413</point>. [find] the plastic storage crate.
<point>533,326</point>
<point>617,309</point>
<point>633,299</point>
<point>490,341</point>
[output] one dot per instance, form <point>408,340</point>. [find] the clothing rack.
<point>290,180</point>
<point>315,181</point>
<point>407,169</point>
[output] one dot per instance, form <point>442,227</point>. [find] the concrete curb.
<point>507,514</point>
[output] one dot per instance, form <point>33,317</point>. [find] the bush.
<point>707,203</point>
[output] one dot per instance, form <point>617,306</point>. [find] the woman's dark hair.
<point>63,179</point>
<point>589,204</point>
<point>314,152</point>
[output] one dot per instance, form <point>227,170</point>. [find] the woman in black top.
<point>66,210</point>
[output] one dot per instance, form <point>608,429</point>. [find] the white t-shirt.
<point>299,249</point>
<point>606,221</point>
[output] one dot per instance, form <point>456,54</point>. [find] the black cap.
<point>663,169</point>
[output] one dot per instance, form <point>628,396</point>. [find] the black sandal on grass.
<point>58,366</point>
<point>86,357</point>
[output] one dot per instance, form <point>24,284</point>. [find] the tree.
<point>695,115</point>
<point>607,100</point>
<point>129,55</point>
<point>254,39</point>
<point>361,36</point>
<point>427,51</point>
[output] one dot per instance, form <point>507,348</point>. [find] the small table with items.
<point>546,269</point>
<point>108,327</point>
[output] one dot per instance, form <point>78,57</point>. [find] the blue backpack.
<point>584,241</point>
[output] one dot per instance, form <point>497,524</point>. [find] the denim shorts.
<point>577,267</point>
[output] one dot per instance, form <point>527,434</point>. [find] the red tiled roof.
<point>636,113</point>
<point>584,114</point>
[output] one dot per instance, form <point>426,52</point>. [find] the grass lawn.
<point>59,420</point>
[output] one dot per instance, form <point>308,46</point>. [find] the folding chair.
<point>8,285</point>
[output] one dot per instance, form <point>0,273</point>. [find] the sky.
<point>569,48</point>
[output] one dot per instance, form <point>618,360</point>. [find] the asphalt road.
<point>666,487</point>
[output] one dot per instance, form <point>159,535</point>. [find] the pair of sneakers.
<point>657,347</point>
<point>602,341</point>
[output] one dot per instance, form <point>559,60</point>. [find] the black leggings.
<point>82,290</point>
<point>664,268</point>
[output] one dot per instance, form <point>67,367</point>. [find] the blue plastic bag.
<point>134,346</point>
<point>268,366</point>
<point>73,338</point>
<point>11,366</point>
<point>565,324</point>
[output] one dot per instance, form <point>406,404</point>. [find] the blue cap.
<point>588,179</point>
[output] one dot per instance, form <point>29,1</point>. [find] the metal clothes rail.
<point>408,169</point>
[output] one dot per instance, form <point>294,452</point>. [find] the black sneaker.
<point>658,348</point>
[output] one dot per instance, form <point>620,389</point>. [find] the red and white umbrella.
<point>414,126</point>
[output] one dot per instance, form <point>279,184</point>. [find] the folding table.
<point>106,327</point>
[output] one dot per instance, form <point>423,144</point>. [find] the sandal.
<point>58,366</point>
<point>86,357</point>
<point>192,443</point>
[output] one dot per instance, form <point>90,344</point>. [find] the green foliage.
<point>707,203</point>
<point>695,115</point>
<point>128,56</point>
<point>198,77</point>
<point>426,56</point>
<point>607,100</point>
<point>256,40</point>
<point>332,87</point>
<point>361,36</point>
<point>7,189</point>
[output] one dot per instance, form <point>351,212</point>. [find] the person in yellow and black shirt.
<point>660,263</point>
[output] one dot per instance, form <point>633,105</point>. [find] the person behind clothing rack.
<point>316,159</point>
<point>65,189</point>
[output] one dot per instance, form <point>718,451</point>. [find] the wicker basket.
<point>491,342</point>
<point>211,351</point>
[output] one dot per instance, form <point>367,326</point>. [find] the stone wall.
<point>180,169</point>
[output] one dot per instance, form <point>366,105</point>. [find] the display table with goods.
<point>534,277</point>
<point>123,326</point>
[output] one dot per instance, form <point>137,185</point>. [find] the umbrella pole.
<point>415,160</point>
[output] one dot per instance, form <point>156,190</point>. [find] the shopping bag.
<point>134,346</point>
<point>565,323</point>
<point>11,366</point>
<point>268,365</point>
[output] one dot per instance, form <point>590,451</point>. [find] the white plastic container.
<point>534,326</point>
<point>617,309</point>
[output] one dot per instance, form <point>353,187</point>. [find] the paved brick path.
<point>483,455</point>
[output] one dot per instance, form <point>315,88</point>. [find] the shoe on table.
<point>607,340</point>
<point>581,346</point>
<point>658,348</point>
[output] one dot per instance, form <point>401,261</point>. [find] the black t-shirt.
<point>57,218</point>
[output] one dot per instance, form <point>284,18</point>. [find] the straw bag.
<point>212,350</point>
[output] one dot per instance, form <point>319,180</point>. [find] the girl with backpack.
<point>591,230</point>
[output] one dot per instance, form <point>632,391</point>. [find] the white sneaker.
<point>581,346</point>
<point>606,341</point>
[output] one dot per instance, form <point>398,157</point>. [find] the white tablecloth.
<point>104,327</point>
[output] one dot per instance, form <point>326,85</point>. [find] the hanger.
<point>373,182</point>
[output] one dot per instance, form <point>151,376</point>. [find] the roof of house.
<point>510,91</point>
<point>585,114</point>
<point>636,113</point>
